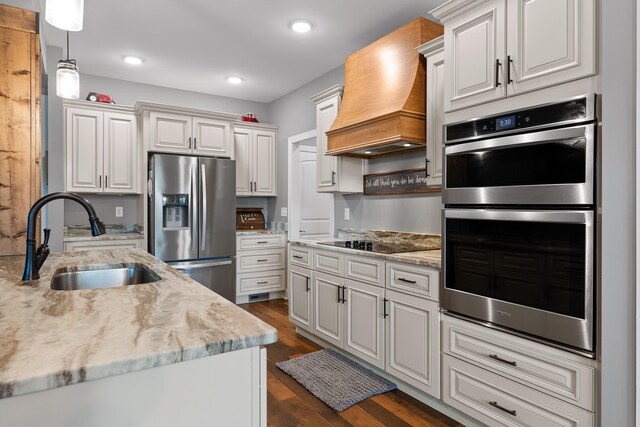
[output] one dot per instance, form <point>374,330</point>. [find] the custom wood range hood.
<point>383,106</point>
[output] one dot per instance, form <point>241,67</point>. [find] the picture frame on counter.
<point>407,181</point>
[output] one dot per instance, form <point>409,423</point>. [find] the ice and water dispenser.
<point>175,211</point>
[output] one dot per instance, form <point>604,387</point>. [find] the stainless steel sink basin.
<point>102,276</point>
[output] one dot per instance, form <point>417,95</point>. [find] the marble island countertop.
<point>428,258</point>
<point>79,233</point>
<point>50,338</point>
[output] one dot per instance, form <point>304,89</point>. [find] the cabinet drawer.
<point>264,260</point>
<point>413,279</point>
<point>300,255</point>
<point>251,283</point>
<point>563,375</point>
<point>495,400</point>
<point>329,262</point>
<point>365,269</point>
<point>265,241</point>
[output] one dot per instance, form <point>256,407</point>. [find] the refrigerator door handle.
<point>194,265</point>
<point>194,213</point>
<point>203,219</point>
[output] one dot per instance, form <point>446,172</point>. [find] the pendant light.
<point>67,77</point>
<point>65,14</point>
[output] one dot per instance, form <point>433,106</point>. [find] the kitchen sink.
<point>102,276</point>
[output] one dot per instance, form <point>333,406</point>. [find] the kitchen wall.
<point>105,207</point>
<point>404,212</point>
<point>295,113</point>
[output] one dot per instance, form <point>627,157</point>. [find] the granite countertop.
<point>257,232</point>
<point>428,258</point>
<point>50,338</point>
<point>79,233</point>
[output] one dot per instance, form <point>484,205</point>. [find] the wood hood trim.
<point>384,96</point>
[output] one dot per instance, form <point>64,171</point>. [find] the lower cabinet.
<point>496,400</point>
<point>300,297</point>
<point>93,245</point>
<point>260,266</point>
<point>394,331</point>
<point>412,341</point>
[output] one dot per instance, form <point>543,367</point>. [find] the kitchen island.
<point>82,358</point>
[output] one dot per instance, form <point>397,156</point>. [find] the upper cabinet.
<point>333,173</point>
<point>255,155</point>
<point>499,48</point>
<point>168,129</point>
<point>433,52</point>
<point>101,148</point>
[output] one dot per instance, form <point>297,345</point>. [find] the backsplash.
<point>422,240</point>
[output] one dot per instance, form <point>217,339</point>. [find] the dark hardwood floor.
<point>290,404</point>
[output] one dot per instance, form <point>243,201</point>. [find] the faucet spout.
<point>34,258</point>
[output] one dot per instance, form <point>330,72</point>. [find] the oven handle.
<point>564,217</point>
<point>582,131</point>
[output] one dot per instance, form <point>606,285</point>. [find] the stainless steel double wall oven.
<point>519,221</point>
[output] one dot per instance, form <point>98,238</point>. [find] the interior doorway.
<point>310,213</point>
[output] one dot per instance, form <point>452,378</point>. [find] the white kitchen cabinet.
<point>255,149</point>
<point>328,312</point>
<point>435,71</point>
<point>301,297</point>
<point>495,400</point>
<point>412,340</point>
<point>260,265</point>
<point>178,130</point>
<point>101,149</point>
<point>184,134</point>
<point>364,322</point>
<point>335,174</point>
<point>499,48</point>
<point>101,245</point>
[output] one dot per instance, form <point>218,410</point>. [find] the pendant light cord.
<point>67,45</point>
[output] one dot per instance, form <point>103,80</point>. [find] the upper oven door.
<point>550,167</point>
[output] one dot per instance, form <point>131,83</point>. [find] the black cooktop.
<point>373,246</point>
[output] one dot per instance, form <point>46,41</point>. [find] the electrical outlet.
<point>347,214</point>
<point>284,211</point>
<point>119,212</point>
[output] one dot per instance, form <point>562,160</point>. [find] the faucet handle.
<point>47,233</point>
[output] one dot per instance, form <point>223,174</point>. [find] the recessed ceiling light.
<point>406,145</point>
<point>133,60</point>
<point>234,80</point>
<point>367,152</point>
<point>301,26</point>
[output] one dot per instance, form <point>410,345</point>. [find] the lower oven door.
<point>530,271</point>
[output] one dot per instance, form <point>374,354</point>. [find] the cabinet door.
<point>84,146</point>
<point>212,137</point>
<point>120,153</point>
<point>549,42</point>
<point>326,112</point>
<point>243,153</point>
<point>364,336</point>
<point>264,163</point>
<point>474,43</point>
<point>412,341</point>
<point>328,312</point>
<point>435,116</point>
<point>300,297</point>
<point>170,133</point>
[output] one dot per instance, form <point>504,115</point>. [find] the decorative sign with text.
<point>398,182</point>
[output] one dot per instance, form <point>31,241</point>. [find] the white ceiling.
<point>195,44</point>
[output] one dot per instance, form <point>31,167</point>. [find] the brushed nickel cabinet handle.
<point>502,408</point>
<point>499,359</point>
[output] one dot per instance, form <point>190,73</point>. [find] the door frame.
<point>293,185</point>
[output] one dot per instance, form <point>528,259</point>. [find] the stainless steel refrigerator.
<point>192,222</point>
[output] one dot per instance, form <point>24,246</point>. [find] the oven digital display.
<point>508,122</point>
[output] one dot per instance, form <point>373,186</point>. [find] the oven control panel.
<point>575,110</point>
